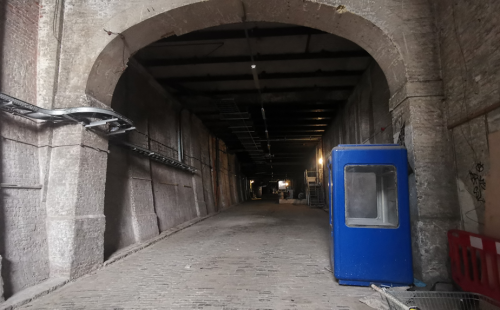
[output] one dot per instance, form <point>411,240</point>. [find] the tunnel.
<point>178,154</point>
<point>251,106</point>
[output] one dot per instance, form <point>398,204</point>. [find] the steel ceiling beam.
<point>290,96</point>
<point>238,34</point>
<point>284,131</point>
<point>273,111</point>
<point>294,125</point>
<point>294,117</point>
<point>262,76</point>
<point>197,102</point>
<point>284,136</point>
<point>234,92</point>
<point>324,55</point>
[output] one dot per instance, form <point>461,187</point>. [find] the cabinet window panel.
<point>371,196</point>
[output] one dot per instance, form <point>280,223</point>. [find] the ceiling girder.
<point>262,76</point>
<point>324,55</point>
<point>233,92</point>
<point>238,34</point>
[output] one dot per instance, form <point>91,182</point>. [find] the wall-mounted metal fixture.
<point>87,116</point>
<point>17,186</point>
<point>156,156</point>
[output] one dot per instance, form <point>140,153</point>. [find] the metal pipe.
<point>179,139</point>
<point>390,297</point>
<point>255,77</point>
<point>256,81</point>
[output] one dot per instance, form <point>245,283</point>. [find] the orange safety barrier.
<point>475,262</point>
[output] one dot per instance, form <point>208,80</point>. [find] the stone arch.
<point>400,38</point>
<point>135,28</point>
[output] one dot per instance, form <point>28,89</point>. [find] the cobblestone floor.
<point>258,255</point>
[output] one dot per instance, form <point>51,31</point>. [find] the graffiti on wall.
<point>478,182</point>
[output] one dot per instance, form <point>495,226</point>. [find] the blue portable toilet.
<point>369,215</point>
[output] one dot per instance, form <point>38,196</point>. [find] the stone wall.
<point>469,48</point>
<point>23,237</point>
<point>145,198</point>
<point>401,38</point>
<point>365,119</point>
<point>19,34</point>
<point>78,61</point>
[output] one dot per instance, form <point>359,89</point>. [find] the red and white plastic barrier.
<point>475,262</point>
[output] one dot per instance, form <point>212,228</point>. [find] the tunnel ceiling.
<point>304,75</point>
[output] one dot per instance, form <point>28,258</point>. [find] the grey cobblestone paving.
<point>258,255</point>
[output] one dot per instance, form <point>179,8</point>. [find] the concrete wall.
<point>23,236</point>
<point>470,56</point>
<point>143,197</point>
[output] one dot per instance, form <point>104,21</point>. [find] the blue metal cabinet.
<point>368,186</point>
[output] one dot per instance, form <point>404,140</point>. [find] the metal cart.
<point>418,300</point>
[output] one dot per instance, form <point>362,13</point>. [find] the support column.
<point>418,122</point>
<point>75,201</point>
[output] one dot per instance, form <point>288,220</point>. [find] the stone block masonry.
<point>19,35</point>
<point>470,56</point>
<point>23,237</point>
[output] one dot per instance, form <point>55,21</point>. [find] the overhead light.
<point>251,181</point>
<point>254,66</point>
<point>320,160</point>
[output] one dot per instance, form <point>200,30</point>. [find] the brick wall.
<point>469,38</point>
<point>365,118</point>
<point>19,33</point>
<point>23,240</point>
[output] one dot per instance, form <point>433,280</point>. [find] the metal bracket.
<point>156,156</point>
<point>87,116</point>
<point>100,123</point>
<point>17,186</point>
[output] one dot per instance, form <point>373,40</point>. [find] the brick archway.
<point>401,39</point>
<point>136,28</point>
